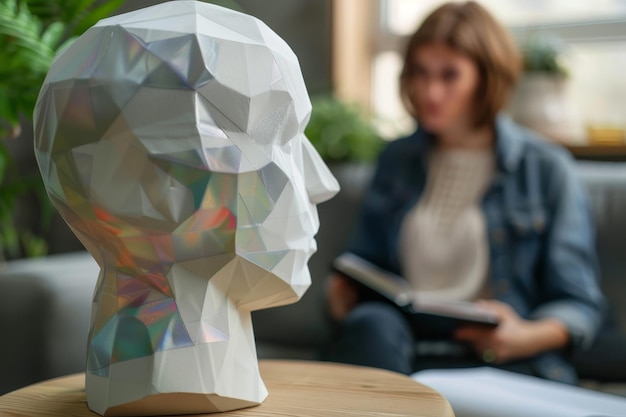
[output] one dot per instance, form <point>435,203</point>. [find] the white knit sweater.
<point>443,243</point>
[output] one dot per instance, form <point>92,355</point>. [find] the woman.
<point>473,207</point>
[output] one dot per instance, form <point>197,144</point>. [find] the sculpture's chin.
<point>177,403</point>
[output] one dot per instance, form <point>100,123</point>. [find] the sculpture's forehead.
<point>186,154</point>
<point>181,130</point>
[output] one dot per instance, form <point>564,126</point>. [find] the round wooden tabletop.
<point>304,389</point>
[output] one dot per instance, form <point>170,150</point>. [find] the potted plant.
<point>31,33</point>
<point>345,139</point>
<point>540,100</point>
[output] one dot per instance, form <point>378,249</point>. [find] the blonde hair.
<point>471,30</point>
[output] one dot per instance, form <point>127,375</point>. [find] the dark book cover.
<point>434,318</point>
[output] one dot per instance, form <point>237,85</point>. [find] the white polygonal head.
<point>172,138</point>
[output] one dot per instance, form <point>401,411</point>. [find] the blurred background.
<point>581,43</point>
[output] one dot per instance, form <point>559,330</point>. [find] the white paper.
<point>489,392</point>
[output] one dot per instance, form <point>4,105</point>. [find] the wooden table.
<point>303,389</point>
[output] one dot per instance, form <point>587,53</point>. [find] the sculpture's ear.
<point>321,185</point>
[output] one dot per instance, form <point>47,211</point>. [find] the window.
<point>402,16</point>
<point>594,33</point>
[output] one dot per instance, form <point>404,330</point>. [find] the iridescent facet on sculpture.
<point>171,141</point>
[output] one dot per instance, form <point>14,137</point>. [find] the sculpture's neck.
<point>181,321</point>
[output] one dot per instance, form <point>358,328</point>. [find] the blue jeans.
<point>378,335</point>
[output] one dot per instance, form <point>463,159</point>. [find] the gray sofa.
<point>45,303</point>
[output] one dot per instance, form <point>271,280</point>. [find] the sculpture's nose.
<point>321,185</point>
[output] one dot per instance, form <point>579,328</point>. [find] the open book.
<point>391,287</point>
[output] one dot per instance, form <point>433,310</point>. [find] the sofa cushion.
<point>25,305</point>
<point>606,183</point>
<point>605,360</point>
<point>68,281</point>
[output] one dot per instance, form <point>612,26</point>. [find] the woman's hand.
<point>514,338</point>
<point>342,296</point>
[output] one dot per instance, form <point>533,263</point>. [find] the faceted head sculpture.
<point>171,141</point>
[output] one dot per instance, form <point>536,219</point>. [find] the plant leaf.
<point>92,17</point>
<point>53,35</point>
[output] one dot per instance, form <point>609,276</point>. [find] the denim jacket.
<point>541,240</point>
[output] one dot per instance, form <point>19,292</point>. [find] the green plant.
<point>341,133</point>
<point>32,32</point>
<point>543,53</point>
